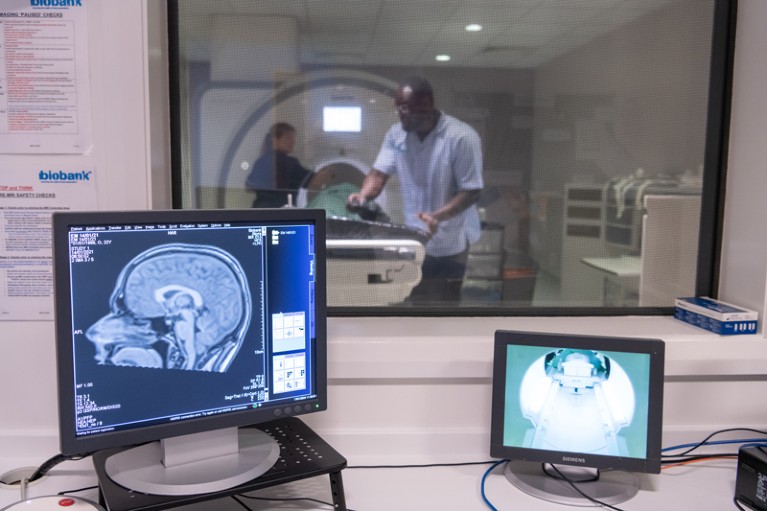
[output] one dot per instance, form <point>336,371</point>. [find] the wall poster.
<point>44,83</point>
<point>28,198</point>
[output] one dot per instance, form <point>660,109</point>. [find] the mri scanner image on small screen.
<point>575,400</point>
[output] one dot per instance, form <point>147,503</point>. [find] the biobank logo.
<point>56,3</point>
<point>59,176</point>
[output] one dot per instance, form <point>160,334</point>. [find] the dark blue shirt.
<point>274,176</point>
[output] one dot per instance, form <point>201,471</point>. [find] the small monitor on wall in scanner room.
<point>344,119</point>
<point>587,406</point>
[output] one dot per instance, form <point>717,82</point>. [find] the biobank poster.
<point>44,83</point>
<point>28,198</point>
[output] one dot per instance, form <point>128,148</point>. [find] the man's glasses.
<point>406,109</point>
<point>402,109</point>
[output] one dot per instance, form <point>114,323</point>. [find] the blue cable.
<point>717,442</point>
<point>756,444</point>
<point>482,483</point>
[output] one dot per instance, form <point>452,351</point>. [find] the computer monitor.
<point>174,329</point>
<point>346,119</point>
<point>591,406</point>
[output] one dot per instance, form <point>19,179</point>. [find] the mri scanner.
<point>370,263</point>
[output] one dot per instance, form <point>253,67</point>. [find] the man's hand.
<point>431,222</point>
<point>454,206</point>
<point>370,189</point>
<point>355,200</point>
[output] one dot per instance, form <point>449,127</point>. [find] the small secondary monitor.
<point>344,119</point>
<point>174,329</point>
<point>580,408</point>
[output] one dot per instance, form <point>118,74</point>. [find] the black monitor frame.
<point>70,443</point>
<point>655,348</point>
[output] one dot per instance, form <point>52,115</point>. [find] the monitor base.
<point>141,468</point>
<point>612,487</point>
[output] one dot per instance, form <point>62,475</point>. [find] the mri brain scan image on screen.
<point>175,306</point>
<point>577,400</point>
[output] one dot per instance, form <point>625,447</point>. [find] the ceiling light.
<point>473,27</point>
<point>442,58</point>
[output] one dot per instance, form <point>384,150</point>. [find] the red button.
<point>66,502</point>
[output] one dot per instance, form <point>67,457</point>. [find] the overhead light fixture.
<point>473,27</point>
<point>442,58</point>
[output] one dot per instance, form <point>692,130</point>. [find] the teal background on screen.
<point>636,366</point>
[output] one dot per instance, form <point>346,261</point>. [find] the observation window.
<point>601,127</point>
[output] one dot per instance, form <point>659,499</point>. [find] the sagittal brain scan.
<point>175,306</point>
<point>577,400</point>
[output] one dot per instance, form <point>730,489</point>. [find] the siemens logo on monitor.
<point>59,176</point>
<point>573,459</point>
<point>56,3</point>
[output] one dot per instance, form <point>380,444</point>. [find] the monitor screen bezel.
<point>72,444</point>
<point>655,348</point>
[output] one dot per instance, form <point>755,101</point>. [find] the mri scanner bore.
<point>340,118</point>
<point>577,400</point>
<point>175,306</point>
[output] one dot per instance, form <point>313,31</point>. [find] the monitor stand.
<point>303,454</point>
<point>194,464</point>
<point>612,487</point>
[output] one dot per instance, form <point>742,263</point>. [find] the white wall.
<point>415,387</point>
<point>744,252</point>
<point>664,79</point>
<point>121,157</point>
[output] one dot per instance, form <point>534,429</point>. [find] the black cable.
<point>285,499</point>
<point>736,501</point>
<point>592,499</point>
<point>234,497</point>
<point>591,479</point>
<point>718,432</point>
<point>681,458</point>
<point>78,490</point>
<point>426,465</point>
<point>52,462</point>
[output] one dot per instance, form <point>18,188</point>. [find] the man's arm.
<point>456,205</point>
<point>371,188</point>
